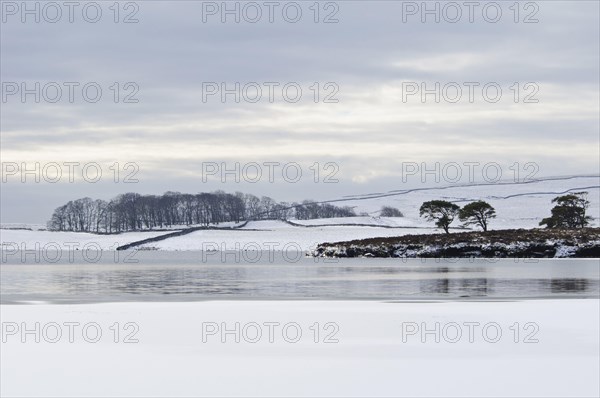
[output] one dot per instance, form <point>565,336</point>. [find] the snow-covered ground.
<point>395,222</point>
<point>543,348</point>
<point>517,206</point>
<point>35,227</point>
<point>49,240</point>
<point>256,235</point>
<point>272,235</point>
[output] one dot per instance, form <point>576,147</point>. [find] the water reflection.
<point>566,285</point>
<point>182,278</point>
<point>455,287</point>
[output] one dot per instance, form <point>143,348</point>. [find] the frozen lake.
<point>196,276</point>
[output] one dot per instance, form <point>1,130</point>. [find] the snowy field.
<point>263,235</point>
<point>393,222</point>
<point>256,235</point>
<point>65,240</point>
<point>543,348</point>
<point>517,206</point>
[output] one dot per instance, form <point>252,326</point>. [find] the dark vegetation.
<point>569,212</point>
<point>387,211</point>
<point>566,235</point>
<point>133,212</point>
<point>582,242</point>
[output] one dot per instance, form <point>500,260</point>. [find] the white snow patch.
<point>371,358</point>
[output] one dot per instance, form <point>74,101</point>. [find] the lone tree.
<point>387,211</point>
<point>477,213</point>
<point>569,212</point>
<point>440,211</point>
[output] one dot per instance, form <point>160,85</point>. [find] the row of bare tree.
<point>132,211</point>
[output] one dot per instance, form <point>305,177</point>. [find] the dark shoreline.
<point>509,243</point>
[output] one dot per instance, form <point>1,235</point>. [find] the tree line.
<point>569,212</point>
<point>132,211</point>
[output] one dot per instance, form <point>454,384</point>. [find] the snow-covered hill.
<point>520,205</point>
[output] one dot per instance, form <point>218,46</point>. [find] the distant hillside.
<point>518,205</point>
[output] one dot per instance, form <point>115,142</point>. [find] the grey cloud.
<point>170,53</point>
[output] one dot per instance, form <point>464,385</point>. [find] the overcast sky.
<point>372,56</point>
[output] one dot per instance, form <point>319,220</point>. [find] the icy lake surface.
<point>194,276</point>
